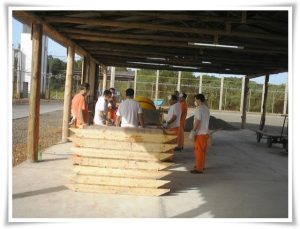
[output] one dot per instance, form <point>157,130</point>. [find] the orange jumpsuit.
<point>180,138</point>
<point>200,145</point>
<point>79,104</point>
<point>112,110</point>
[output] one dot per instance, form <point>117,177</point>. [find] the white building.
<point>25,62</point>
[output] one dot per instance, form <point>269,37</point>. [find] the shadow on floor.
<point>214,124</point>
<point>237,182</point>
<point>39,192</point>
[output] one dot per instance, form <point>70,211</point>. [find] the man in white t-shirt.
<point>101,109</point>
<point>174,113</point>
<point>173,117</point>
<point>130,113</point>
<point>200,133</point>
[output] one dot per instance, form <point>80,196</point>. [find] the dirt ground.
<point>50,134</point>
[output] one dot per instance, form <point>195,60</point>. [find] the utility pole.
<point>200,83</point>
<point>156,86</point>
<point>135,81</point>
<point>285,99</point>
<point>221,93</point>
<point>178,82</point>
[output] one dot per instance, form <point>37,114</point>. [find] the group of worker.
<point>129,114</point>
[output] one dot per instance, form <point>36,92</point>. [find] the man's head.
<point>176,93</point>
<point>107,95</point>
<point>199,99</point>
<point>173,99</point>
<point>112,90</point>
<point>129,93</point>
<point>84,88</point>
<point>182,96</point>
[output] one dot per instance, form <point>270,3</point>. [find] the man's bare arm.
<point>196,124</point>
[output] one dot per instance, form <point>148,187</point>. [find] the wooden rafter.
<point>153,27</point>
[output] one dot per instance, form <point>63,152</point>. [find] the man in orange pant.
<point>79,107</point>
<point>200,133</point>
<point>184,108</point>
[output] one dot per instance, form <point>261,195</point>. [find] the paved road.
<point>21,111</point>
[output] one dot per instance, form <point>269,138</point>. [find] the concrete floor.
<point>243,179</point>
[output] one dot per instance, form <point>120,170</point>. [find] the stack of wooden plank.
<point>121,160</point>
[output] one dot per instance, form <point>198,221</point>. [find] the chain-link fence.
<point>167,84</point>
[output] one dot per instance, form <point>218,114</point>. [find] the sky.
<point>58,51</point>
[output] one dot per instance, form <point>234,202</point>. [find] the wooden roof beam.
<point>190,17</point>
<point>174,44</point>
<point>69,31</point>
<point>163,51</point>
<point>165,67</point>
<point>192,63</point>
<point>156,27</point>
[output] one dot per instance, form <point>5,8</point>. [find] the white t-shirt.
<point>202,114</point>
<point>175,109</point>
<point>129,110</point>
<point>101,105</point>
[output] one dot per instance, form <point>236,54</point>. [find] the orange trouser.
<point>200,145</point>
<point>174,131</point>
<point>180,138</point>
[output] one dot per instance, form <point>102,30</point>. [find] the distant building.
<point>24,59</point>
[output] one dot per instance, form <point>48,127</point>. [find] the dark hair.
<point>107,92</point>
<point>129,92</point>
<point>200,97</point>
<point>112,89</point>
<point>174,98</point>
<point>84,86</point>
<point>184,95</point>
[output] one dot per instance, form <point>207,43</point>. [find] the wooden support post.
<point>285,99</point>
<point>242,94</point>
<point>200,84</point>
<point>87,70</point>
<point>264,103</point>
<point>221,93</point>
<point>67,94</point>
<point>104,73</point>
<point>34,102</point>
<point>112,76</point>
<point>92,78</point>
<point>244,103</point>
<point>135,81</point>
<point>156,85</point>
<point>273,101</point>
<point>82,70</point>
<point>178,82</point>
<point>249,101</point>
<point>99,79</point>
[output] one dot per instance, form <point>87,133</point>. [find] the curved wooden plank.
<point>118,154</point>
<point>124,134</point>
<point>118,172</point>
<point>124,164</point>
<point>118,181</point>
<point>130,146</point>
<point>117,190</point>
